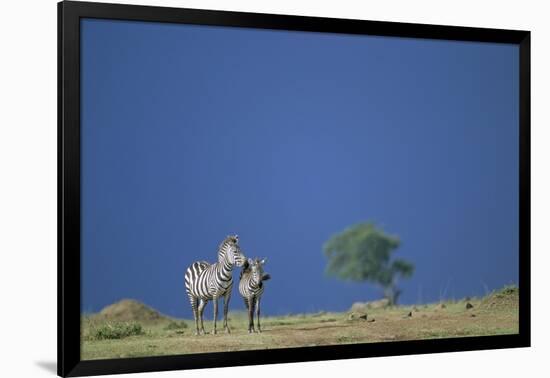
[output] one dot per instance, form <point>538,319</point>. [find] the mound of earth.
<point>507,297</point>
<point>364,306</point>
<point>128,310</point>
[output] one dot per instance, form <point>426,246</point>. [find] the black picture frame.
<point>69,15</point>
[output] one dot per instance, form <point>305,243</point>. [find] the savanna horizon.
<point>361,253</point>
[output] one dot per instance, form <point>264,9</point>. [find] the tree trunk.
<point>392,293</point>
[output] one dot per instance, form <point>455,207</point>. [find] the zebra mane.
<point>245,269</point>
<point>229,240</point>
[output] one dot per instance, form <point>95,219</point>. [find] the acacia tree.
<point>363,252</point>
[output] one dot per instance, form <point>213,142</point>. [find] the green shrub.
<point>508,290</point>
<point>111,331</point>
<point>176,325</point>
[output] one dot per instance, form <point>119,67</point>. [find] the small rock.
<point>356,316</point>
<point>469,306</point>
<point>473,315</point>
<point>370,320</point>
<point>441,305</point>
<point>410,314</point>
<point>359,307</point>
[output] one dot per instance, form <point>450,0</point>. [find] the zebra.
<point>205,282</point>
<point>251,288</point>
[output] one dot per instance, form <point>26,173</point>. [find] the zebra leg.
<point>258,314</point>
<point>250,306</point>
<point>215,314</point>
<point>194,303</point>
<point>247,312</point>
<point>202,305</point>
<point>226,299</point>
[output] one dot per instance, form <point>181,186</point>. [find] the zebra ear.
<point>263,261</point>
<point>250,261</point>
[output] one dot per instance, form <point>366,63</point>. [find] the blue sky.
<point>190,133</point>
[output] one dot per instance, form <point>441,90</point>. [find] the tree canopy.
<point>363,252</point>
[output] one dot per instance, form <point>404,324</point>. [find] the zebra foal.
<point>251,288</point>
<point>205,282</point>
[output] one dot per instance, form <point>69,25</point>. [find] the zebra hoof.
<point>227,330</point>
<point>213,332</point>
<point>249,331</point>
<point>259,331</point>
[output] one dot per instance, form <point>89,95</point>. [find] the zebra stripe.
<point>251,287</point>
<point>205,282</point>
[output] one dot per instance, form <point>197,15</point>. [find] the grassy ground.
<point>492,315</point>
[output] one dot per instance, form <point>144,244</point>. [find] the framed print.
<point>239,188</point>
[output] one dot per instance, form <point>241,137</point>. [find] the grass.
<point>175,325</point>
<point>110,331</point>
<point>494,314</point>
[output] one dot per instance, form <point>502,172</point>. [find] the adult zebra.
<point>251,288</point>
<point>205,282</point>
